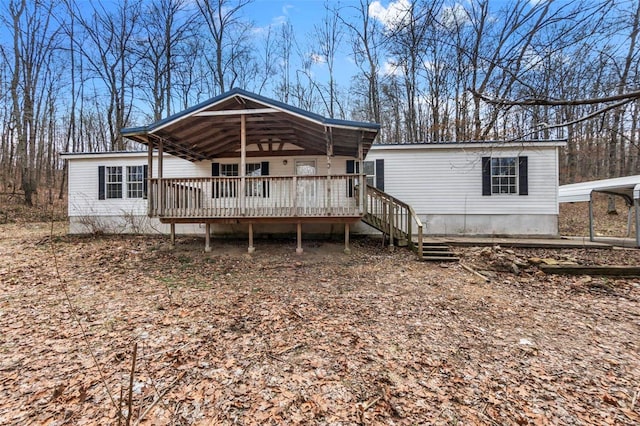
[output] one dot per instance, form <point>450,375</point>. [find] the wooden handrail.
<point>392,216</point>
<point>253,196</point>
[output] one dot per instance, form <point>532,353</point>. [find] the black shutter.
<point>101,183</point>
<point>380,174</point>
<point>523,176</point>
<point>264,171</point>
<point>215,189</point>
<point>486,175</point>
<point>351,168</point>
<point>145,187</point>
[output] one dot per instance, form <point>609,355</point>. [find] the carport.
<point>626,187</point>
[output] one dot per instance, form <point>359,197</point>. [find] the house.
<point>244,164</point>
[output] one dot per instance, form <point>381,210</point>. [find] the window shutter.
<point>101,183</point>
<point>380,174</point>
<point>523,176</point>
<point>486,175</point>
<point>215,189</point>
<point>264,171</point>
<point>145,184</point>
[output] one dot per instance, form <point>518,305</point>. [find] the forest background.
<point>72,73</point>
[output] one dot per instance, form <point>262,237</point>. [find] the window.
<point>504,175</point>
<point>370,172</point>
<point>135,181</point>
<point>114,182</point>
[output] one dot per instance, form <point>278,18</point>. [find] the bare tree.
<point>34,44</point>
<point>229,33</point>
<point>109,38</point>
<point>167,25</point>
<point>365,45</point>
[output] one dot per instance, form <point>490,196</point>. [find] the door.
<point>306,188</point>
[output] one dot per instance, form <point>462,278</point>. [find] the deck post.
<point>251,248</point>
<point>207,237</point>
<point>391,224</point>
<point>347,250</point>
<point>173,235</point>
<point>161,195</point>
<point>299,248</point>
<point>149,193</point>
<point>243,162</point>
<point>591,234</point>
<point>636,203</point>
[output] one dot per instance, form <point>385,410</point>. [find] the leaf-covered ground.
<point>323,338</point>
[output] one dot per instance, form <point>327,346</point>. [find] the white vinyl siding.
<point>448,180</point>
<point>83,177</point>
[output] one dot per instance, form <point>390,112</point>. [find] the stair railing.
<point>393,217</point>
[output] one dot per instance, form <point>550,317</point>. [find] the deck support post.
<point>207,237</point>
<point>161,197</point>
<point>243,162</point>
<point>636,203</point>
<point>347,250</point>
<point>391,225</point>
<point>251,248</point>
<point>591,233</point>
<point>149,193</point>
<point>173,235</point>
<point>299,248</point>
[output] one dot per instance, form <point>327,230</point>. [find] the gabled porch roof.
<point>212,129</point>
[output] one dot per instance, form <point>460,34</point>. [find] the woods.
<point>72,74</point>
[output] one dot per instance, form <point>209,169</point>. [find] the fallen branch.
<point>371,403</point>
<point>290,348</point>
<point>468,268</point>
<point>159,398</point>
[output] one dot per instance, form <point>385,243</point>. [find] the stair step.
<point>435,248</point>
<point>440,259</point>
<point>436,253</point>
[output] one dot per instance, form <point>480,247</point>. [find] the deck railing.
<point>254,196</point>
<point>393,217</point>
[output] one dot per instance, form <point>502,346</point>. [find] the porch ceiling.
<point>212,130</point>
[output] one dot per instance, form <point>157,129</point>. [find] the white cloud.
<point>454,16</point>
<point>317,58</point>
<point>391,16</point>
<point>390,67</point>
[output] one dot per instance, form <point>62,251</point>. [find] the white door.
<point>306,189</point>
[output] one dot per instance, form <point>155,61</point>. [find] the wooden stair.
<point>433,251</point>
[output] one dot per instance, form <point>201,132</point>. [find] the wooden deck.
<point>256,198</point>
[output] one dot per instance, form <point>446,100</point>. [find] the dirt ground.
<point>323,338</point>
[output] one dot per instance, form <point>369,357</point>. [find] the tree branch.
<point>624,97</point>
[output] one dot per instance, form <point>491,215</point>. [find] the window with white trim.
<point>135,181</point>
<point>504,175</point>
<point>113,179</point>
<point>369,169</point>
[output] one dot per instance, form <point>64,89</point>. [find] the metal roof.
<point>212,130</point>
<point>627,187</point>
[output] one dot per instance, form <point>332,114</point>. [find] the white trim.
<point>234,112</point>
<point>468,145</point>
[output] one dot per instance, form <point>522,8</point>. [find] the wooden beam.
<point>243,161</point>
<point>299,232</point>
<point>347,250</point>
<point>251,248</point>
<point>207,238</point>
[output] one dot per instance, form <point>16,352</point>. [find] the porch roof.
<point>212,130</point>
